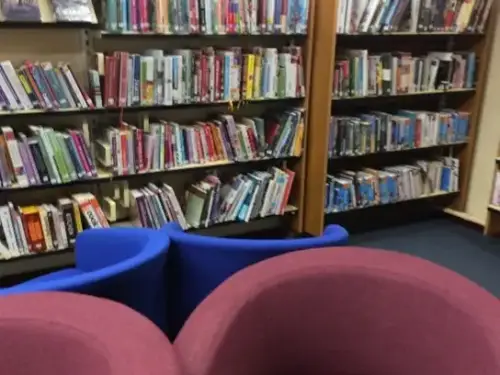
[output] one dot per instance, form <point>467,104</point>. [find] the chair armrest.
<point>99,248</point>
<point>336,234</point>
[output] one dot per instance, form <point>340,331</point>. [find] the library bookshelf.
<point>77,44</point>
<point>331,47</point>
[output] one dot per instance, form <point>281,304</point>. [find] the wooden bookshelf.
<point>76,43</point>
<point>322,105</point>
<point>492,225</point>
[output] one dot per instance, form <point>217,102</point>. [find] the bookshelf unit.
<point>492,226</point>
<point>323,104</point>
<point>76,43</point>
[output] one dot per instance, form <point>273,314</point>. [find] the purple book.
<point>27,166</point>
<point>21,10</point>
<point>31,159</point>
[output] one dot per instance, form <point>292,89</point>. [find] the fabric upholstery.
<point>198,264</point>
<point>56,333</point>
<point>126,265</point>
<point>343,311</point>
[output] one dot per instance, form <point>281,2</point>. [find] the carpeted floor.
<point>446,242</point>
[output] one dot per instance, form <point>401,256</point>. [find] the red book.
<point>288,189</point>
<point>122,79</point>
<point>204,78</point>
<point>217,83</point>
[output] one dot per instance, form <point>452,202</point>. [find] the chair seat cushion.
<point>62,274</point>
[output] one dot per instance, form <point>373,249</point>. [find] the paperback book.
<point>359,74</point>
<point>44,156</point>
<point>185,76</point>
<point>381,132</point>
<point>349,190</point>
<point>26,230</point>
<point>165,145</point>
<point>207,17</point>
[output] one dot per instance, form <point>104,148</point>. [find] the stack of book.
<point>45,157</point>
<point>34,229</point>
<point>197,76</point>
<point>378,16</point>
<point>54,11</point>
<point>40,86</point>
<point>155,205</point>
<point>380,131</point>
<point>349,190</point>
<point>207,17</point>
<point>244,198</point>
<point>165,145</point>
<point>358,74</point>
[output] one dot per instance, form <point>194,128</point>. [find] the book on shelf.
<point>157,78</point>
<point>358,73</point>
<point>380,131</point>
<point>40,86</point>
<point>43,157</point>
<point>211,201</point>
<point>379,16</point>
<point>495,199</point>
<point>349,190</point>
<point>207,17</point>
<point>163,145</point>
<point>47,11</point>
<point>26,230</point>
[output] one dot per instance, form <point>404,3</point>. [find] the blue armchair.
<point>126,265</point>
<point>198,264</point>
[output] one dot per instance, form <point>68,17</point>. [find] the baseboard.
<point>464,218</point>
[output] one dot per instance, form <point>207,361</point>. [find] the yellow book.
<point>250,76</point>
<point>297,149</point>
<point>78,217</point>
<point>257,76</point>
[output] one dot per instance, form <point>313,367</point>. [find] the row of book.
<point>34,229</point>
<point>128,149</point>
<point>45,156</point>
<point>349,190</point>
<point>56,11</point>
<point>380,131</point>
<point>40,86</point>
<point>207,17</point>
<point>197,76</point>
<point>378,16</point>
<point>358,73</point>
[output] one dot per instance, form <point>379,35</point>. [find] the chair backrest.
<point>65,333</point>
<point>198,264</point>
<point>136,279</point>
<point>344,311</point>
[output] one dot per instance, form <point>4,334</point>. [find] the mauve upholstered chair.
<point>59,333</point>
<point>343,311</point>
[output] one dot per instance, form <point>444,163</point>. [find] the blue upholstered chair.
<point>198,264</point>
<point>126,265</point>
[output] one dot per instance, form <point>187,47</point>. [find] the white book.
<point>15,156</point>
<point>11,74</point>
<point>168,96</point>
<point>8,229</point>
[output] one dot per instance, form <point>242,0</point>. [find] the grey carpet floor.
<point>445,242</point>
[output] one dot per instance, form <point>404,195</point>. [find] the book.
<point>20,10</point>
<point>74,11</point>
<point>207,17</point>
<point>163,145</point>
<point>386,16</point>
<point>157,78</point>
<point>495,198</point>
<point>358,73</point>
<point>349,190</point>
<point>405,129</point>
<point>44,156</point>
<point>32,229</point>
<point>40,86</point>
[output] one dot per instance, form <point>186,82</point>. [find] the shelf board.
<point>104,176</point>
<point>411,33</point>
<point>494,208</point>
<point>135,34</point>
<point>407,150</point>
<point>422,198</point>
<point>419,93</point>
<point>48,25</point>
<point>100,111</point>
<point>37,262</point>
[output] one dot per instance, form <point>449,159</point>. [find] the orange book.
<point>30,216</point>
